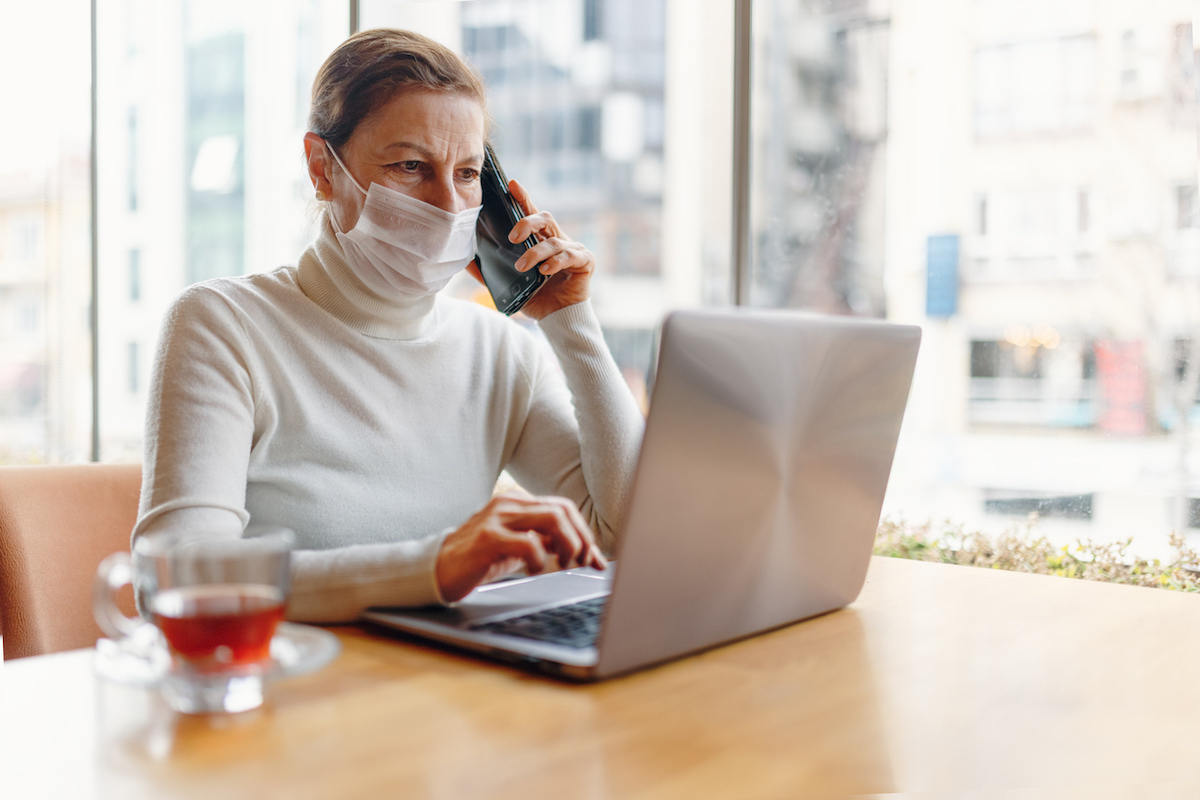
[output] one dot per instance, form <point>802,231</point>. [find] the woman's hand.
<point>510,531</point>
<point>568,263</point>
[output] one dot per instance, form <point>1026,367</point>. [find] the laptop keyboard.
<point>573,625</point>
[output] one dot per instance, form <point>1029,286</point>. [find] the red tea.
<point>221,625</point>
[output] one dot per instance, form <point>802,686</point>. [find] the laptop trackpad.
<point>524,595</point>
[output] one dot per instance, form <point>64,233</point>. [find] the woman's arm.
<point>200,427</point>
<point>582,437</point>
<point>581,440</point>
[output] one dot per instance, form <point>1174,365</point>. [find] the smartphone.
<point>495,254</point>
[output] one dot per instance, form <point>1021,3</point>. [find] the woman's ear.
<point>316,153</point>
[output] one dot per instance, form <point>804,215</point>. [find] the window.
<point>25,231</point>
<point>1032,378</point>
<point>1036,86</point>
<point>29,317</point>
<point>1022,504</point>
<point>1048,388</point>
<point>133,371</point>
<point>582,107</point>
<point>209,111</point>
<point>45,269</point>
<point>1187,206</point>
<point>132,156</point>
<point>1193,512</point>
<point>1002,127</point>
<point>1181,77</point>
<point>1033,234</point>
<point>591,20</point>
<point>135,275</point>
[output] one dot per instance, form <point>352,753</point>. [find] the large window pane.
<point>1019,178</point>
<point>615,114</point>
<point>45,260</point>
<point>202,109</point>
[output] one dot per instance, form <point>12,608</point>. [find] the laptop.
<point>757,495</point>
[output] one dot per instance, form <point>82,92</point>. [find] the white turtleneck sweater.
<point>369,428</point>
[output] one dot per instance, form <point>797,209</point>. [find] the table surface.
<point>937,680</point>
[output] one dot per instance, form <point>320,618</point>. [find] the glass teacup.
<point>216,600</point>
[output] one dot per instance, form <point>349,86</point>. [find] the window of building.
<point>1187,206</point>
<point>1193,512</point>
<point>134,372</point>
<point>591,20</point>
<point>1181,77</point>
<point>29,316</point>
<point>1039,86</point>
<point>1024,504</point>
<point>1034,235</point>
<point>131,172</point>
<point>135,275</point>
<point>25,236</point>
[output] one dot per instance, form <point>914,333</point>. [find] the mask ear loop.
<point>321,195</point>
<point>333,153</point>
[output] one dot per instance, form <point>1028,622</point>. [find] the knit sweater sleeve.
<point>581,439</point>
<point>200,428</point>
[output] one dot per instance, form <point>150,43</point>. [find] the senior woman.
<point>349,401</point>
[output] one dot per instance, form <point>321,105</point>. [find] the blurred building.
<point>820,154</point>
<point>45,292</point>
<point>579,117</point>
<point>1042,224</point>
<point>202,110</point>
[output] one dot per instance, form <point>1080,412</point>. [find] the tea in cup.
<point>216,601</point>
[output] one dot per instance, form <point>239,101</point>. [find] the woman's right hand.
<point>541,533</point>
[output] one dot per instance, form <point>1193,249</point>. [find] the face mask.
<point>402,247</point>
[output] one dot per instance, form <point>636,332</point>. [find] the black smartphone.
<point>496,255</point>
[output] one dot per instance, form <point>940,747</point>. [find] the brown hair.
<point>367,69</point>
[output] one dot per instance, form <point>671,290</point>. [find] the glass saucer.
<point>142,659</point>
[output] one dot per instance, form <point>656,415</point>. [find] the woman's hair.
<point>368,69</point>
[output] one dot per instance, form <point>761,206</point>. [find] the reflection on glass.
<point>1019,177</point>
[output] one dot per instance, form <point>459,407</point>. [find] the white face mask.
<point>402,247</point>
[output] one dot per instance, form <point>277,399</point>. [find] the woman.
<point>345,399</point>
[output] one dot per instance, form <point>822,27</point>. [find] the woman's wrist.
<point>568,323</point>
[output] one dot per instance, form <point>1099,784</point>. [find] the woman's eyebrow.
<point>476,158</point>
<point>424,153</point>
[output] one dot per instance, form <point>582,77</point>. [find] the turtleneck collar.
<point>326,279</point>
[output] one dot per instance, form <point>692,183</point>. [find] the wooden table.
<point>939,679</point>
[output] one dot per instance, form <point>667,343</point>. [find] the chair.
<point>57,523</point>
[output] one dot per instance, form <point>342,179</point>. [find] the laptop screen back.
<point>761,478</point>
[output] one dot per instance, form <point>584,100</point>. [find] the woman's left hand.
<point>568,263</point>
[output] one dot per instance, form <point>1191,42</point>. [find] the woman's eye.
<point>408,166</point>
<point>468,174</point>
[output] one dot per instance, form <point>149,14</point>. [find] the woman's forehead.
<point>429,122</point>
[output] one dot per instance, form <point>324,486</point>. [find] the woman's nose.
<point>443,194</point>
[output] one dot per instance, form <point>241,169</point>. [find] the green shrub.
<point>1020,550</point>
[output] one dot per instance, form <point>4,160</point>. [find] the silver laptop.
<point>757,495</point>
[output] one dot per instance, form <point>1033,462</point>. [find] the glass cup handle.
<point>113,573</point>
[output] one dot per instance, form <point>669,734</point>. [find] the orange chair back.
<point>57,523</point>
